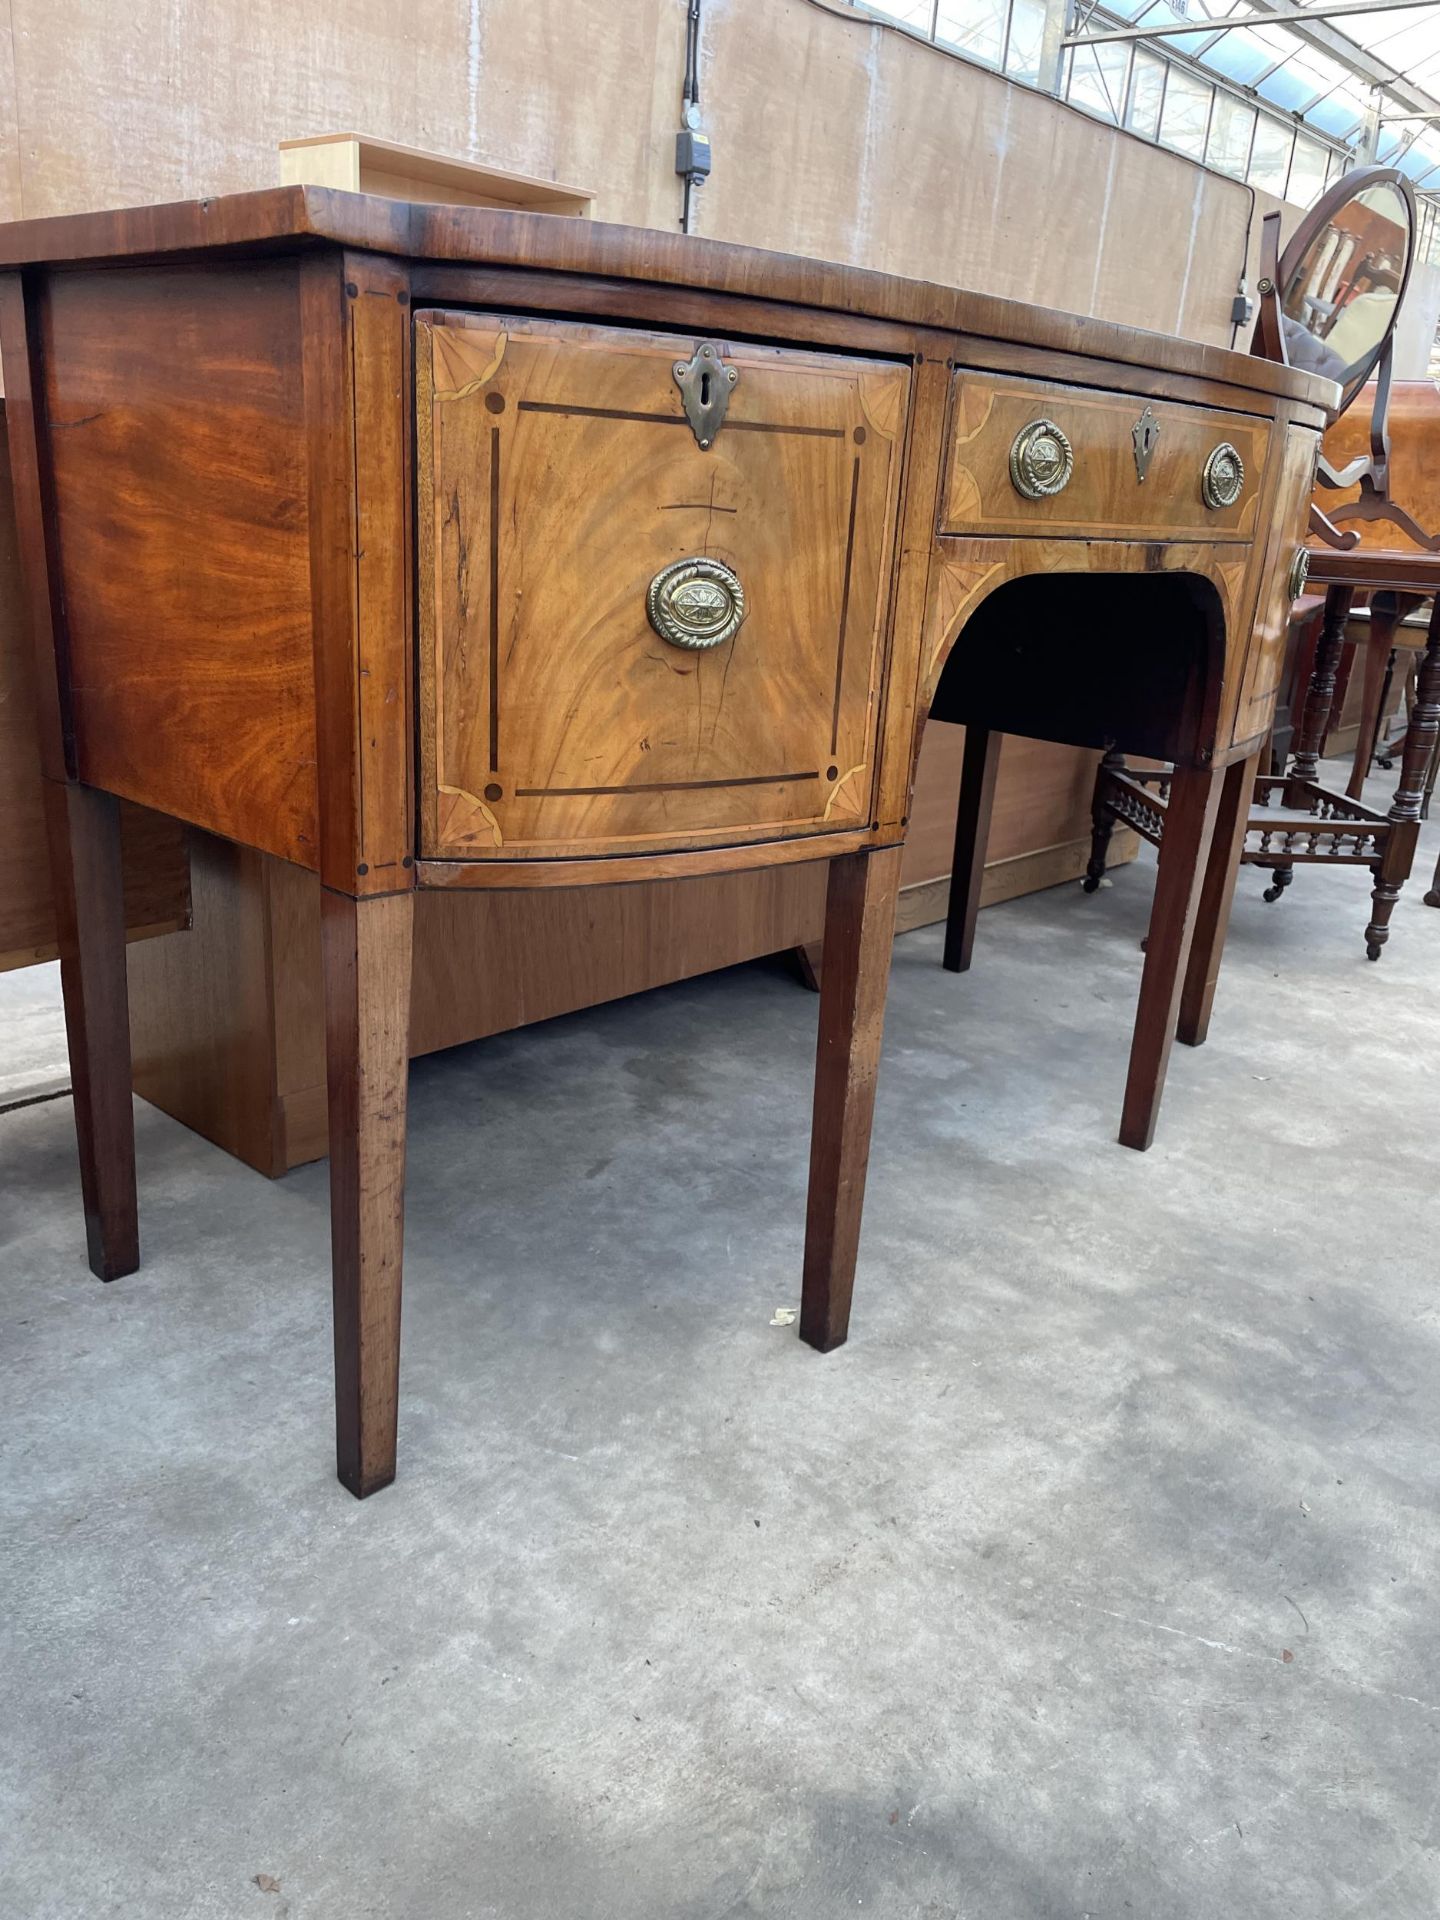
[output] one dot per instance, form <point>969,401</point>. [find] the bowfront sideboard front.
<point>427,547</point>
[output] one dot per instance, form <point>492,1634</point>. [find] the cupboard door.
<point>584,559</point>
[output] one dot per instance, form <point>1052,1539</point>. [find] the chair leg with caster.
<point>1102,821</point>
<point>1280,879</point>
<point>1392,869</point>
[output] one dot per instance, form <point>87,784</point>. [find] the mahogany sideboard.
<point>429,547</point>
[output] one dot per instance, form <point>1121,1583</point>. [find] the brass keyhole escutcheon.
<point>696,603</point>
<point>1144,438</point>
<point>706,381</point>
<point>1222,479</point>
<point>1041,460</point>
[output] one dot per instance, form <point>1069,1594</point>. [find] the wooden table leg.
<point>367,948</point>
<point>1379,651</point>
<point>1212,918</point>
<point>83,829</point>
<point>859,934</point>
<point>1102,818</point>
<point>972,837</point>
<point>1320,693</point>
<point>1189,826</point>
<point>1392,870</point>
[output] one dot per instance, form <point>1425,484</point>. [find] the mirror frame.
<point>1371,474</point>
<point>1269,340</point>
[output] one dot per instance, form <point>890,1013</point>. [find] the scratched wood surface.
<point>559,476</point>
<point>1105,495</point>
<point>642,254</point>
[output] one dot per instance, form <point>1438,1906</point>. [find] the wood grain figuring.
<point>669,259</point>
<point>1104,497</point>
<point>84,831</point>
<point>612,870</point>
<point>564,476</point>
<point>1262,666</point>
<point>377,306</point>
<point>355,357</point>
<point>152,848</point>
<point>175,434</point>
<point>202,1005</point>
<point>706,314</point>
<point>859,927</point>
<point>903,716</point>
<point>367,947</point>
<point>32,500</point>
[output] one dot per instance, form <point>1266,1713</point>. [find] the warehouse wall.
<point>833,135</point>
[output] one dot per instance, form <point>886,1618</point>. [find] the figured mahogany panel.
<point>174,420</point>
<point>1262,667</point>
<point>558,476</point>
<point>1104,495</point>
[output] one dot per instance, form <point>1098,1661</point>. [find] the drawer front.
<point>999,448</point>
<point>572,701</point>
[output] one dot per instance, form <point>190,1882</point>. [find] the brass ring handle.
<point>1041,461</point>
<point>696,603</point>
<point>1299,572</point>
<point>1222,478</point>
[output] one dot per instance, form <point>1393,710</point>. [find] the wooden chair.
<point>1198,863</point>
<point>1389,553</point>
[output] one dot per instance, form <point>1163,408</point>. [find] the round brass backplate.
<point>696,603</point>
<point>1041,460</point>
<point>1299,572</point>
<point>1222,479</point>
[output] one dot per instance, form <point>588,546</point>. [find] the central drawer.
<point>1032,457</point>
<point>583,559</point>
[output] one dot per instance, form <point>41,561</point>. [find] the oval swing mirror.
<point>1343,275</point>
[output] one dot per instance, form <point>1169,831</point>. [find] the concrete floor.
<point>1096,1576</point>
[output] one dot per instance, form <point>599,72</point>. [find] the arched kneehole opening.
<point>1092,660</point>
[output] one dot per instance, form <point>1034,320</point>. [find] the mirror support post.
<point>1269,336</point>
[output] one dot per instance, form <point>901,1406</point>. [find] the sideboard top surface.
<point>304,215</point>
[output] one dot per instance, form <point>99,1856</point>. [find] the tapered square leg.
<point>83,828</point>
<point>972,836</point>
<point>859,933</point>
<point>1212,919</point>
<point>1184,849</point>
<point>367,949</point>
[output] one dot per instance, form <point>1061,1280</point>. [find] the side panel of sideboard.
<point>173,413</point>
